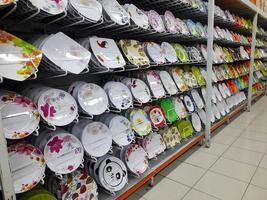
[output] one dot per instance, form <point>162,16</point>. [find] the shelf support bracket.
<point>209,71</point>
<point>5,174</point>
<point>251,68</point>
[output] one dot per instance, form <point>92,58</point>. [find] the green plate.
<point>37,193</point>
<point>169,109</point>
<point>181,52</point>
<point>185,128</point>
<point>196,72</point>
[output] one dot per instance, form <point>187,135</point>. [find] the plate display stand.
<point>23,17</point>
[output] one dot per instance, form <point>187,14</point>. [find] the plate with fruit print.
<point>63,153</point>
<point>25,57</point>
<point>25,158</point>
<point>107,52</point>
<point>20,116</point>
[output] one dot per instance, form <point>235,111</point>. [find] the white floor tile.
<point>234,169</point>
<point>221,186</point>
<point>256,127</point>
<point>254,135</point>
<point>250,145</point>
<point>215,148</point>
<point>260,178</point>
<point>243,155</point>
<point>231,131</point>
<point>196,195</point>
<point>223,139</point>
<point>200,159</point>
<point>183,173</point>
<point>255,193</point>
<point>164,189</point>
<point>263,162</point>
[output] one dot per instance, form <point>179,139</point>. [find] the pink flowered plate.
<point>156,21</point>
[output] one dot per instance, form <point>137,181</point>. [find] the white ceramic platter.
<point>154,51</point>
<point>138,16</point>
<point>196,122</point>
<point>155,84</point>
<point>168,82</point>
<point>52,7</point>
<point>169,52</point>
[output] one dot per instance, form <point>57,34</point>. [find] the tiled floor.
<point>234,168</point>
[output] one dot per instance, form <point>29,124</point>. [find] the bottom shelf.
<point>169,156</point>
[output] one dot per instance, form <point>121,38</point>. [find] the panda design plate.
<point>189,103</point>
<point>112,174</point>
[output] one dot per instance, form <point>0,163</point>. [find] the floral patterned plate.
<point>63,153</point>
<point>25,158</point>
<point>179,107</point>
<point>156,115</point>
<point>181,52</point>
<point>53,7</point>
<point>116,12</point>
<point>168,82</point>
<point>155,53</point>
<point>137,15</point>
<point>177,74</point>
<point>119,95</point>
<point>90,9</point>
<point>199,102</point>
<point>136,159</point>
<point>112,174</point>
<point>190,79</point>
<point>156,21</point>
<point>139,89</point>
<point>169,52</point>
<point>134,52</point>
<point>20,116</point>
<point>181,26</point>
<point>139,121</point>
<point>77,185</point>
<point>107,52</point>
<point>153,144</point>
<point>57,107</point>
<point>155,84</point>
<point>67,54</point>
<point>96,137</point>
<point>25,57</point>
<point>170,22</point>
<point>171,136</point>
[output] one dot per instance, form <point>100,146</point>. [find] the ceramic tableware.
<point>155,84</point>
<point>169,52</point>
<point>155,53</point>
<point>168,82</point>
<point>155,21</point>
<point>137,15</point>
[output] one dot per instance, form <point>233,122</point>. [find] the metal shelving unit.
<point>79,27</point>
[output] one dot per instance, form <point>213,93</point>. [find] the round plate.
<point>202,114</point>
<point>140,122</point>
<point>168,82</point>
<point>155,53</point>
<point>122,133</point>
<point>116,12</point>
<point>217,93</point>
<point>179,107</point>
<point>57,107</point>
<point>20,116</point>
<point>138,16</point>
<point>136,159</point>
<point>153,145</point>
<point>188,103</point>
<point>177,74</point>
<point>155,84</point>
<point>196,97</point>
<point>196,122</point>
<point>27,166</point>
<point>63,153</point>
<point>215,111</point>
<point>221,108</point>
<point>222,91</point>
<point>170,22</point>
<point>155,21</point>
<point>113,174</point>
<point>169,52</point>
<point>92,99</point>
<point>156,115</point>
<point>119,95</point>
<point>171,136</point>
<point>54,7</point>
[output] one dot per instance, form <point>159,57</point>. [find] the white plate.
<point>199,102</point>
<point>222,91</point>
<point>27,166</point>
<point>136,159</point>
<point>107,52</point>
<point>52,7</point>
<point>119,95</point>
<point>170,22</point>
<point>156,21</point>
<point>196,122</point>
<point>169,52</point>
<point>139,89</point>
<point>178,78</point>
<point>63,153</point>
<point>57,107</point>
<point>137,15</point>
<point>155,53</point>
<point>217,93</point>
<point>91,9</point>
<point>202,114</point>
<point>112,174</point>
<point>153,145</point>
<point>155,84</point>
<point>179,107</point>
<point>67,54</point>
<point>188,103</point>
<point>221,108</point>
<point>215,111</point>
<point>20,116</point>
<point>227,109</point>
<point>116,12</point>
<point>168,82</point>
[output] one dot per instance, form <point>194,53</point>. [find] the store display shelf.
<point>169,156</point>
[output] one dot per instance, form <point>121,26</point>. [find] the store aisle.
<point>234,168</point>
